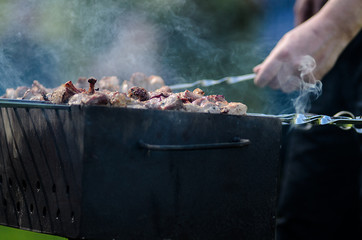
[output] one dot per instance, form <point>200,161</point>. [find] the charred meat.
<point>97,98</point>
<point>63,93</point>
<point>109,83</point>
<point>138,93</point>
<point>133,93</point>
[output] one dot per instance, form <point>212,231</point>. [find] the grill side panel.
<point>183,194</point>
<point>40,169</point>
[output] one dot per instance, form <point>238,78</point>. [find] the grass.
<point>7,233</point>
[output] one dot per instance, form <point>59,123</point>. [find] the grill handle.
<point>236,143</point>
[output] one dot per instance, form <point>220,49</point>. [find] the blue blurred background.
<point>180,40</point>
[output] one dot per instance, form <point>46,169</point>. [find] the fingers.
<point>267,72</point>
<point>277,75</point>
<point>257,68</point>
<point>273,83</point>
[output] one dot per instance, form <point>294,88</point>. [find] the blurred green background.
<point>180,40</point>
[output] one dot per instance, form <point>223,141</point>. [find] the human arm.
<point>324,36</point>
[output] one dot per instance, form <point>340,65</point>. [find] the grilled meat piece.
<point>211,100</point>
<point>189,97</point>
<point>120,99</point>
<point>37,92</point>
<point>234,108</point>
<point>215,104</point>
<point>154,103</point>
<point>138,79</point>
<point>154,83</point>
<point>63,93</point>
<point>20,91</point>
<point>197,99</point>
<point>15,93</point>
<point>207,104</point>
<point>206,107</point>
<point>138,93</point>
<point>10,93</point>
<point>97,98</point>
<point>82,83</point>
<point>218,99</point>
<point>199,91</point>
<point>37,87</point>
<point>161,97</point>
<point>89,99</point>
<point>92,82</point>
<point>109,83</point>
<point>34,96</point>
<point>172,102</point>
<point>125,86</point>
<point>164,89</point>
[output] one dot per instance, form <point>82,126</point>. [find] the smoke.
<point>57,41</point>
<point>8,72</point>
<point>133,49</point>
<point>181,40</point>
<point>298,87</point>
<point>310,88</point>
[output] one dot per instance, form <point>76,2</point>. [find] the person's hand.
<point>323,37</point>
<point>305,9</point>
<point>316,38</point>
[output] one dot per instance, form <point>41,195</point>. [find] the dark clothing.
<point>321,174</point>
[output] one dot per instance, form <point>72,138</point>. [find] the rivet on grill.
<point>58,214</point>
<point>44,211</point>
<point>24,184</point>
<point>37,185</point>
<point>72,217</point>
<point>31,208</point>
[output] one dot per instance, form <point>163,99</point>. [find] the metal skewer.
<point>210,82</point>
<point>344,120</point>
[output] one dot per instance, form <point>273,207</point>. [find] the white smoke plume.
<point>310,88</point>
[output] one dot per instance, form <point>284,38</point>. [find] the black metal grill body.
<point>83,172</point>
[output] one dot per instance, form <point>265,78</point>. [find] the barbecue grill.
<point>88,172</point>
